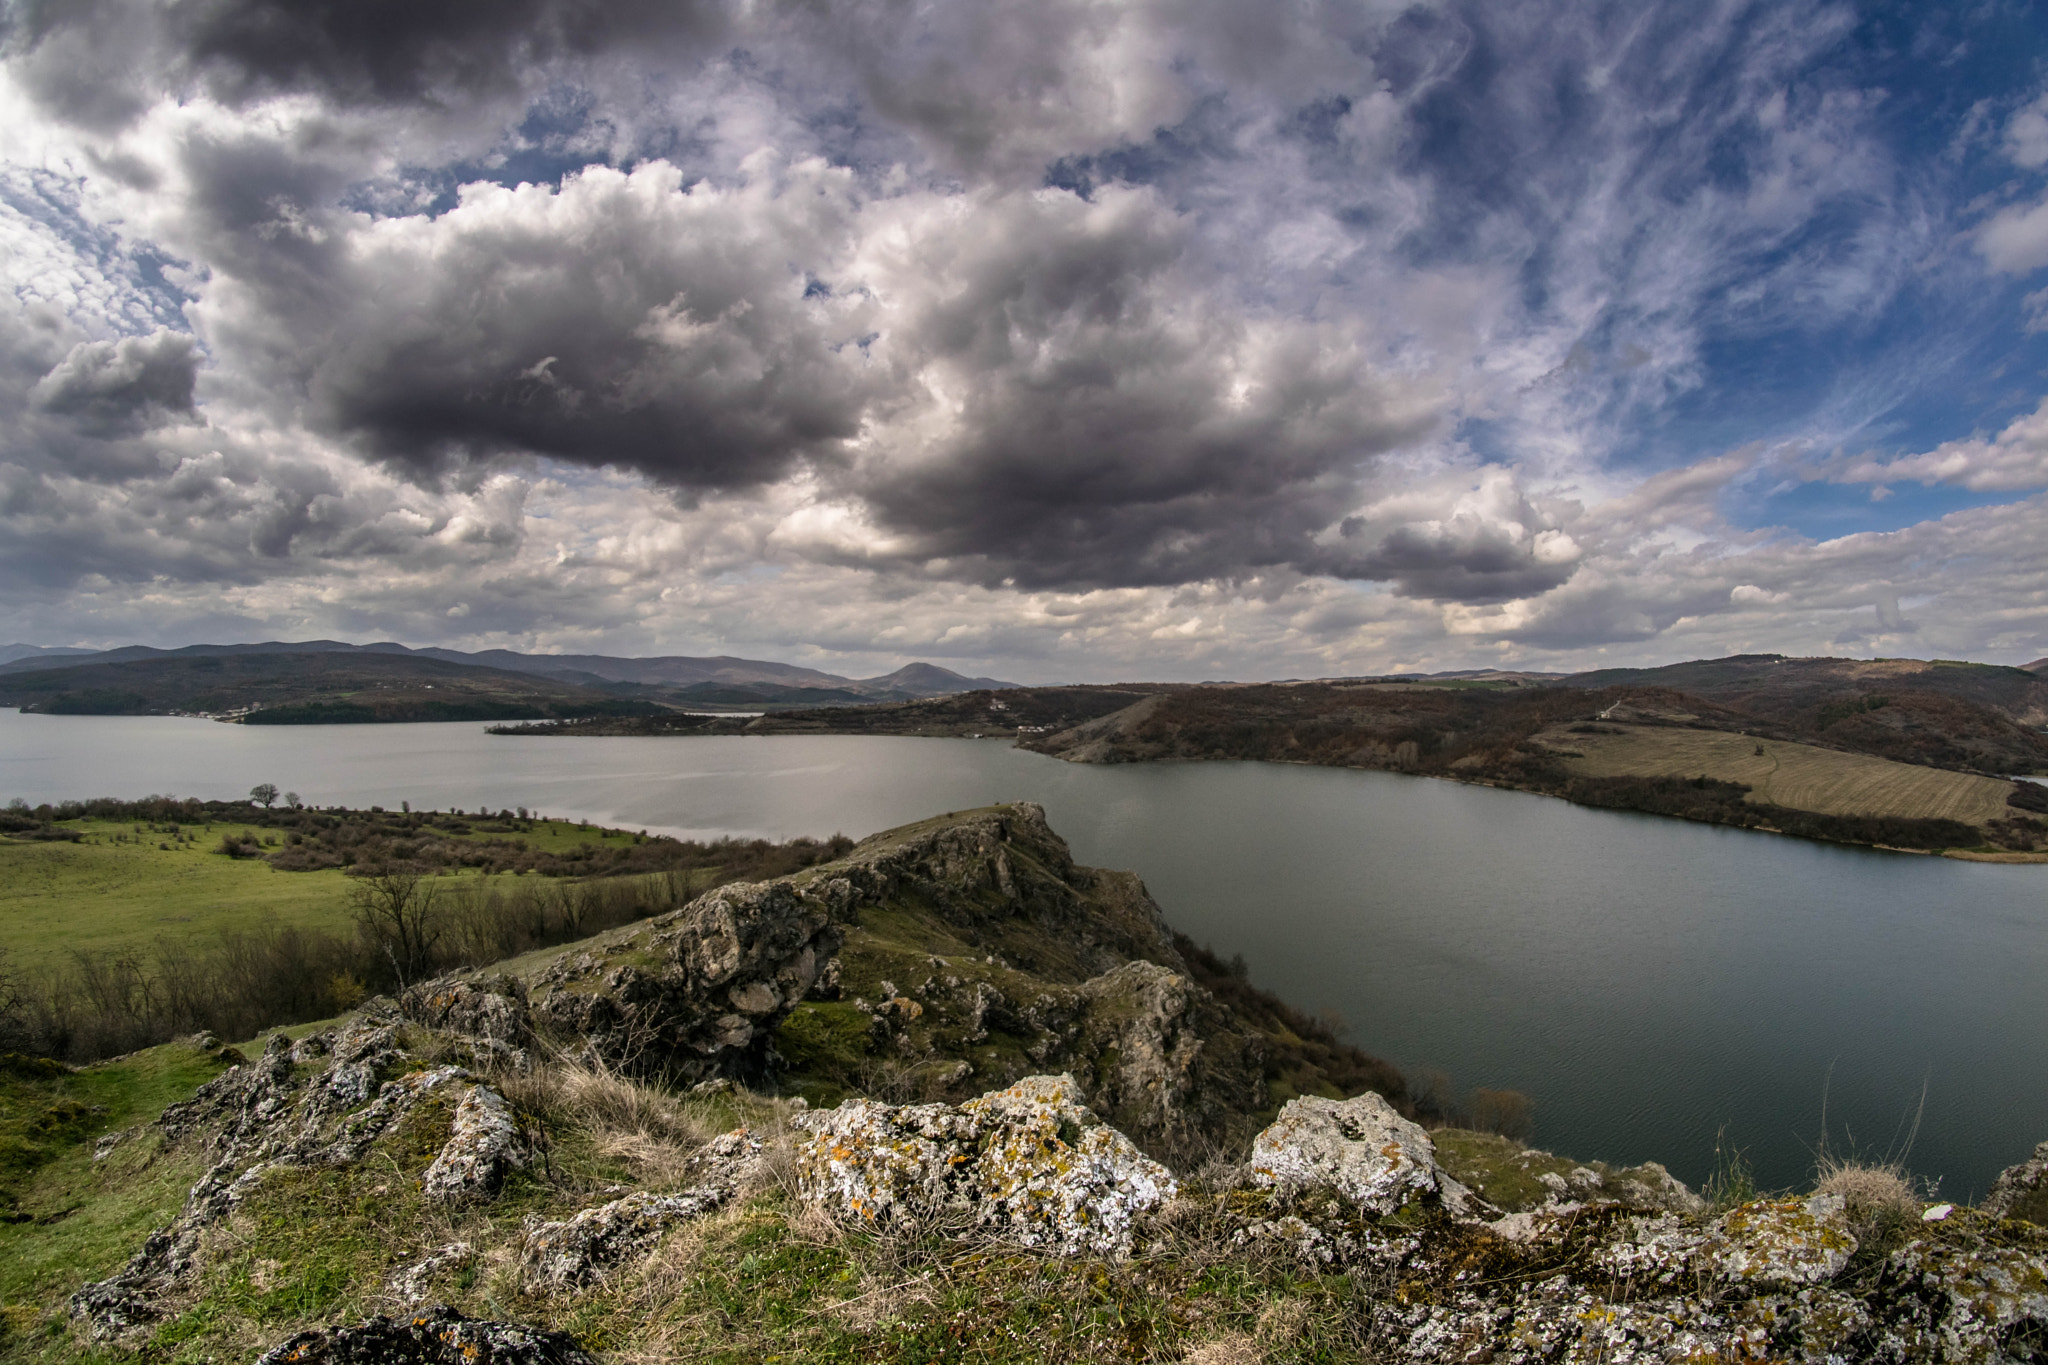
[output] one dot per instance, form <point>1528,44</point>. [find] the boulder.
<point>489,1011</point>
<point>439,1336</point>
<point>2022,1191</point>
<point>1030,1162</point>
<point>1785,1242</point>
<point>1358,1149</point>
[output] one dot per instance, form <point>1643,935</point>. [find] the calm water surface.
<point>1652,983</point>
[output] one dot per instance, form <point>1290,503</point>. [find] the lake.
<point>1650,983</point>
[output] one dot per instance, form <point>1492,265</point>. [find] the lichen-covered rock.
<point>409,1283</point>
<point>1785,1242</point>
<point>483,1144</point>
<point>562,1255</point>
<point>263,1116</point>
<point>489,1011</point>
<point>1965,1294</point>
<point>1030,1162</point>
<point>569,1253</point>
<point>474,1005</point>
<point>440,1336</point>
<point>2021,1191</point>
<point>1358,1149</point>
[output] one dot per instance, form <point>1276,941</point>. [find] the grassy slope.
<point>70,1219</point>
<point>102,894</point>
<point>1797,775</point>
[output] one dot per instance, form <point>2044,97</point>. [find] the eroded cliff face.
<point>934,961</point>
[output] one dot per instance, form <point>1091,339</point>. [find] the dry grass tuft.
<point>1869,1189</point>
<point>1234,1348</point>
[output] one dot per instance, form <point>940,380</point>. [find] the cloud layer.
<point>1073,339</point>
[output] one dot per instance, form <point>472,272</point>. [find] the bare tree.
<point>266,792</point>
<point>395,910</point>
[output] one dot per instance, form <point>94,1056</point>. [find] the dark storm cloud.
<point>98,62</point>
<point>620,321</point>
<point>1117,425</point>
<point>420,50</point>
<point>1480,565</point>
<point>121,388</point>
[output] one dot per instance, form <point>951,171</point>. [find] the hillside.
<point>761,680</point>
<point>971,715</point>
<point>1061,1139</point>
<point>293,688</point>
<point>1727,759</point>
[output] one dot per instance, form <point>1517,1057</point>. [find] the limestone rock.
<point>409,1284</point>
<point>484,1144</point>
<point>2022,1191</point>
<point>490,1012</point>
<point>1786,1242</point>
<point>1030,1162</point>
<point>1359,1149</point>
<point>439,1336</point>
<point>702,988</point>
<point>262,1116</point>
<point>568,1254</point>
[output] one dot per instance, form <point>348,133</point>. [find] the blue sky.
<point>1065,340</point>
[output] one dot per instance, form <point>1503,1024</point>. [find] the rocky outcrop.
<point>1031,1163</point>
<point>1074,964</point>
<point>490,1011</point>
<point>567,1254</point>
<point>268,1115</point>
<point>700,990</point>
<point>1606,1280</point>
<point>2021,1191</point>
<point>440,1336</point>
<point>483,1145</point>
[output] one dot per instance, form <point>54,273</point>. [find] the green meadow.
<point>127,884</point>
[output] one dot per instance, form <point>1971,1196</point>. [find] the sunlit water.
<point>1649,982</point>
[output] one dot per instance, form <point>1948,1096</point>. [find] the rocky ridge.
<point>941,960</point>
<point>1348,1188</point>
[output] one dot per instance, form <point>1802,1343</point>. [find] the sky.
<point>1054,340</point>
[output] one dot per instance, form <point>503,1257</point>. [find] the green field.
<point>127,885</point>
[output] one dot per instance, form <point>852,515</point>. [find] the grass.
<point>70,1219</point>
<point>122,887</point>
<point>1800,776</point>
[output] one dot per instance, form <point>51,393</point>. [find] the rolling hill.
<point>318,688</point>
<point>668,671</point>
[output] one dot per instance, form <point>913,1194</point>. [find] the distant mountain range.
<point>720,680</point>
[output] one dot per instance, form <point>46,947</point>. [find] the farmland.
<point>1780,773</point>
